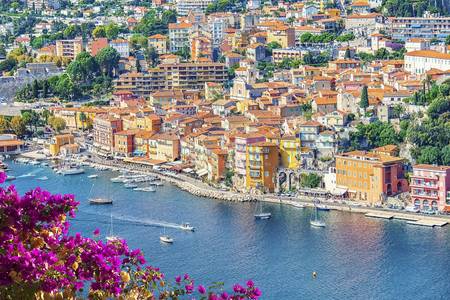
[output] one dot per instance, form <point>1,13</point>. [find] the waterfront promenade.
<point>202,189</point>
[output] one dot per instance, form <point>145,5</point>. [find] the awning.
<point>446,209</point>
<point>202,172</point>
<point>338,191</point>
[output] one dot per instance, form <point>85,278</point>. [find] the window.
<point>266,173</point>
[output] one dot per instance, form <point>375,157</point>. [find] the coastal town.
<point>342,100</point>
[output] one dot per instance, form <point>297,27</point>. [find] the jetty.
<point>380,215</point>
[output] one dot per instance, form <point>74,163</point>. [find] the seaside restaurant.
<point>9,144</point>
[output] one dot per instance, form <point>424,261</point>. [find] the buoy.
<point>314,274</point>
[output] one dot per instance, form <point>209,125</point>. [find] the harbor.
<point>228,229</point>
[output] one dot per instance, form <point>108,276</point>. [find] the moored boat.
<point>100,201</point>
<point>72,171</point>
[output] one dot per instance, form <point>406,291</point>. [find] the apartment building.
<point>179,34</point>
<point>261,166</point>
<point>164,147</point>
<point>159,42</point>
<point>370,176</point>
<point>282,34</point>
<point>430,187</point>
<point>240,155</point>
<point>69,48</point>
<point>122,46</point>
<point>104,129</point>
<point>421,61</point>
<point>183,7</point>
<point>427,27</point>
<point>291,53</point>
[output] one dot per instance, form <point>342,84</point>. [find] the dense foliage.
<point>310,180</point>
<point>153,23</point>
<point>372,135</point>
<point>416,8</point>
<point>431,136</point>
<point>85,75</point>
<point>40,260</point>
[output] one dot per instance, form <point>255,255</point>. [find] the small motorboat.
<point>43,178</point>
<point>10,178</point>
<point>130,185</point>
<point>117,179</point>
<point>158,183</point>
<point>93,176</point>
<point>34,163</point>
<point>187,227</point>
<point>100,201</point>
<point>149,189</point>
<point>322,207</point>
<point>317,223</point>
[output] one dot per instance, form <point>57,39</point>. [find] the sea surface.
<point>355,257</point>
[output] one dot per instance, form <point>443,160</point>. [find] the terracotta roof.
<point>428,53</point>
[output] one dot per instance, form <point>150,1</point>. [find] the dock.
<point>428,222</point>
<point>380,215</point>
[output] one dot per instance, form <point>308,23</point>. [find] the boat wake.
<point>30,174</point>
<point>134,221</point>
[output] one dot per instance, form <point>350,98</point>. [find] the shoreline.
<point>201,189</point>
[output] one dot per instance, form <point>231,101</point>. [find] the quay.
<point>380,215</point>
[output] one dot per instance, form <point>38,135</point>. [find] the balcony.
<point>425,195</point>
<point>422,184</point>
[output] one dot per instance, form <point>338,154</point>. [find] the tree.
<point>364,102</point>
<point>438,107</point>
<point>310,180</point>
<point>18,126</point>
<point>35,89</point>
<point>347,54</point>
<point>447,40</point>
<point>58,124</point>
<point>4,125</point>
<point>108,60</point>
<point>152,56</point>
<point>83,119</point>
<point>111,31</point>
<point>99,32</point>
<point>45,89</point>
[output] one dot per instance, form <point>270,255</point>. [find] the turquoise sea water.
<point>355,257</point>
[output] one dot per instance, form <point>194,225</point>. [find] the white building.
<point>416,44</point>
<point>421,61</point>
<point>253,4</point>
<point>185,6</point>
<point>122,46</point>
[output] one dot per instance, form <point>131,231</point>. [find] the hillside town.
<point>347,99</point>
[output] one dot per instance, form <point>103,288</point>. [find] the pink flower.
<point>3,177</point>
<point>250,283</point>
<point>96,231</point>
<point>178,279</point>
<point>201,289</point>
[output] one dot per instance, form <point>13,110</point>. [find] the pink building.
<point>430,187</point>
<point>240,151</point>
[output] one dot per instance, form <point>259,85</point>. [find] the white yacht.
<point>72,171</point>
<point>111,237</point>
<point>100,201</point>
<point>93,176</point>
<point>166,238</point>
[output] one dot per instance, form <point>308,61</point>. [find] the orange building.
<point>217,161</point>
<point>261,166</point>
<point>370,176</point>
<point>124,142</point>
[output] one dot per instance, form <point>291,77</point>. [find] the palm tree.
<point>83,119</point>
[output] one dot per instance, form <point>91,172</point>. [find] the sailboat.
<point>111,237</point>
<point>316,222</point>
<point>166,238</point>
<point>259,214</point>
<point>99,200</point>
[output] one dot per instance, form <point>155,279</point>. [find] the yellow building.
<point>261,166</point>
<point>370,176</point>
<point>159,42</point>
<point>283,35</point>
<point>290,152</point>
<point>164,147</point>
<point>58,141</point>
